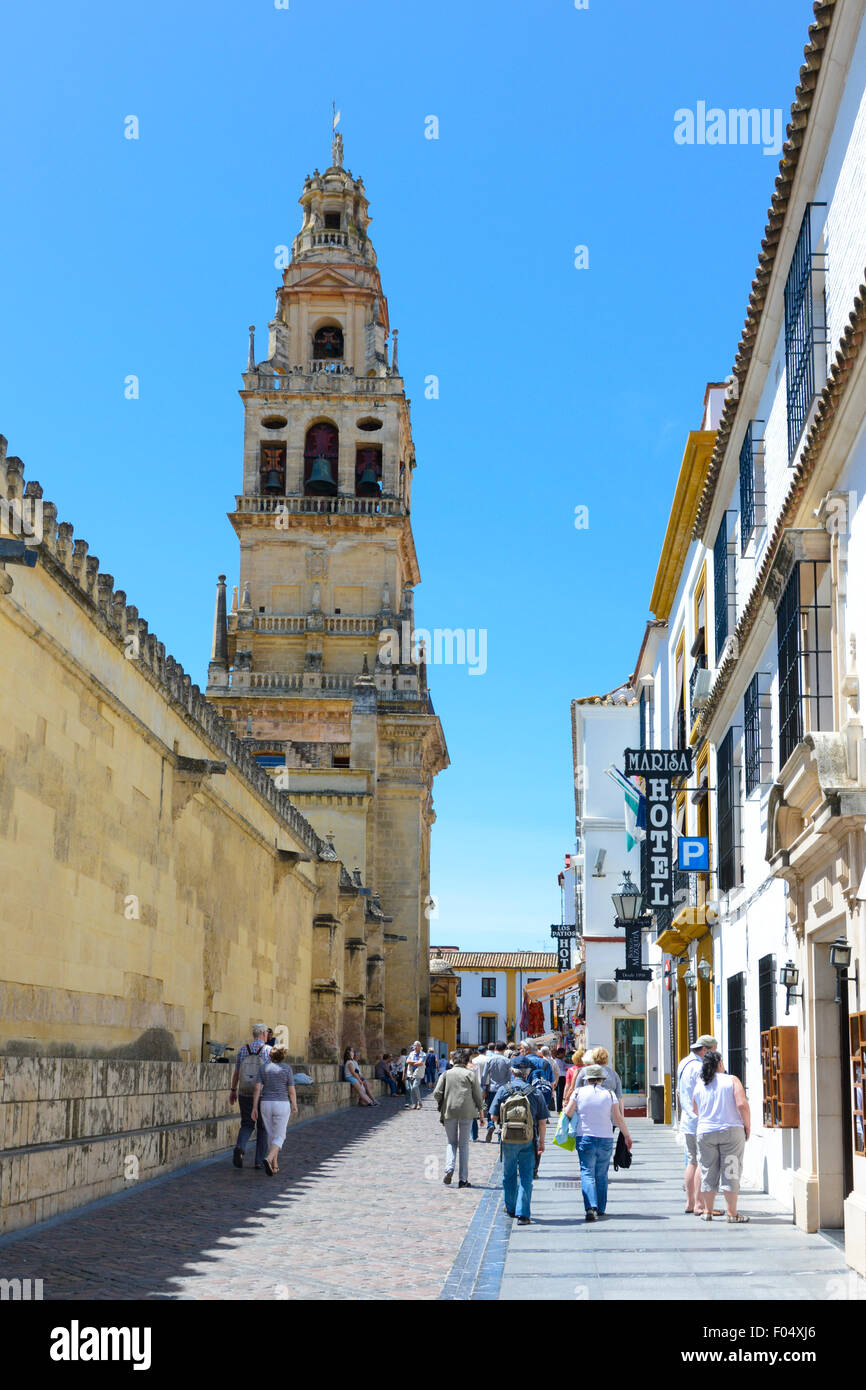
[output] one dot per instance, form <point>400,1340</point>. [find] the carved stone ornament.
<point>317,564</point>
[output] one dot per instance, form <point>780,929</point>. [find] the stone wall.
<point>159,890</point>
<point>73,1129</point>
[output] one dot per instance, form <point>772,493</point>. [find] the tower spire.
<point>336,139</point>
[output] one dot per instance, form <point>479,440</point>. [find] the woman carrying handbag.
<point>595,1111</point>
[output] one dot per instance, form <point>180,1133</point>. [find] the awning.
<point>562,983</point>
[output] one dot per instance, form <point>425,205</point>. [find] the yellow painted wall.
<point>121,912</point>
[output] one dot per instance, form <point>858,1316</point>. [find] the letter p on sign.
<point>693,853</point>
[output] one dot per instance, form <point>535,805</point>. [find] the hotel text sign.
<point>658,766</point>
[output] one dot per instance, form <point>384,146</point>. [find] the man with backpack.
<point>522,1113</point>
<point>251,1056</point>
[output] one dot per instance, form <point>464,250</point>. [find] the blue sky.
<point>559,387</point>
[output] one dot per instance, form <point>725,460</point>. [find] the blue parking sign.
<point>693,853</point>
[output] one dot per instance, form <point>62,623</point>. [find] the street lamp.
<point>840,959</point>
<point>628,901</point>
<point>705,970</point>
<point>690,979</point>
<point>789,976</point>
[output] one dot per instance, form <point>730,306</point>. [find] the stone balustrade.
<point>275,504</point>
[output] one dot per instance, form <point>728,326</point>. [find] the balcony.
<point>340,376</point>
<point>700,665</point>
<point>297,622</point>
<point>332,367</point>
<point>276,505</point>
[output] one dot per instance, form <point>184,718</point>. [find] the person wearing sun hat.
<point>687,1078</point>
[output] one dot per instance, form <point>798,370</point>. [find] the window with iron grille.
<point>723,582</point>
<point>803,631</point>
<point>737,1026</point>
<point>766,993</point>
<point>805,325</point>
<point>752,496</point>
<point>488,986</point>
<point>752,734</point>
<point>487,1030</point>
<point>728,814</point>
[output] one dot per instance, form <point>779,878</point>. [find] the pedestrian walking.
<point>399,1070</point>
<point>275,1096</point>
<point>476,1064</point>
<point>441,1065</point>
<point>458,1095</point>
<point>571,1076</point>
<point>249,1059</point>
<point>595,1110</point>
<point>522,1112</point>
<point>352,1074</point>
<point>600,1057</point>
<point>496,1073</point>
<point>554,1068</point>
<point>688,1074</point>
<point>430,1068</point>
<point>416,1066</point>
<point>724,1125</point>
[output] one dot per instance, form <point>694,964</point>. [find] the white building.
<point>760,605</point>
<point>490,988</point>
<point>603,727</point>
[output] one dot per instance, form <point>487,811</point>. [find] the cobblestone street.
<point>358,1211</point>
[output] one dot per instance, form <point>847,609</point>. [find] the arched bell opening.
<point>321,460</point>
<point>328,343</point>
<point>272,468</point>
<point>368,471</point>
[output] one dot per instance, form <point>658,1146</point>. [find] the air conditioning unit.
<point>606,991</point>
<point>624,993</point>
<point>701,688</point>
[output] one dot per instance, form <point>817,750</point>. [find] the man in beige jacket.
<point>458,1095</point>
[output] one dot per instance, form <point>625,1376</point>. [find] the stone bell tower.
<point>314,663</point>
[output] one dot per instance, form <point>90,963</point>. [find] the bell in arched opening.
<point>273,482</point>
<point>321,481</point>
<point>368,484</point>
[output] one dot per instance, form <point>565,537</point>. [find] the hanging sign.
<point>633,968</point>
<point>564,931</point>
<point>563,952</point>
<point>658,767</point>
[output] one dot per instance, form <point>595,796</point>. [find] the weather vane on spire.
<point>337,140</point>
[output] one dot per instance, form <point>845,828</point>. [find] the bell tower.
<point>314,662</point>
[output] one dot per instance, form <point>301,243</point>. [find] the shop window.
<point>780,1066</point>
<point>858,1079</point>
<point>737,1026</point>
<point>488,986</point>
<point>629,1053</point>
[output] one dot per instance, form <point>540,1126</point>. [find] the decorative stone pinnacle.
<point>251,361</point>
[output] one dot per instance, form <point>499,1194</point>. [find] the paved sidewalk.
<point>358,1211</point>
<point>647,1248</point>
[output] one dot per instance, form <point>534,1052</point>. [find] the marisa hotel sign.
<point>658,767</point>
